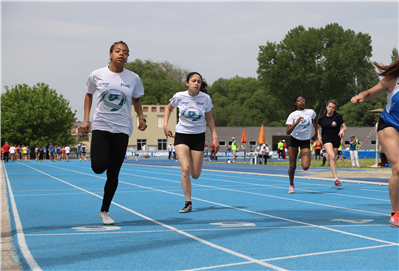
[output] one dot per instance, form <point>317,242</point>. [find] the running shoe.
<point>187,207</point>
<point>337,183</point>
<point>107,220</point>
<point>395,220</point>
<point>291,190</point>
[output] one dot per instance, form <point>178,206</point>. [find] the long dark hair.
<point>391,70</point>
<point>296,97</point>
<point>203,82</point>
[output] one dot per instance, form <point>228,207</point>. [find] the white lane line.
<point>263,185</point>
<point>275,175</point>
<point>253,260</point>
<point>279,187</point>
<point>198,230</point>
<point>292,256</point>
<point>249,211</point>
<point>18,226</point>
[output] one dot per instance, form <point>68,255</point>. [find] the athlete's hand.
<point>142,125</point>
<point>168,132</point>
<point>298,120</point>
<point>85,127</point>
<point>357,99</point>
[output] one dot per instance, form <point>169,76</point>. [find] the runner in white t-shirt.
<point>194,112</point>
<point>117,89</point>
<point>299,125</point>
<point>67,152</point>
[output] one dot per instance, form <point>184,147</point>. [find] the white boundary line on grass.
<point>250,259</point>
<point>18,226</point>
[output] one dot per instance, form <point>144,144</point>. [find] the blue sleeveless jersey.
<point>391,111</point>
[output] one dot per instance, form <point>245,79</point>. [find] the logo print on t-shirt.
<point>192,113</point>
<point>304,123</point>
<point>113,99</point>
<point>333,124</point>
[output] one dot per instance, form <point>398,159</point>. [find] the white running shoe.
<point>291,190</point>
<point>107,220</point>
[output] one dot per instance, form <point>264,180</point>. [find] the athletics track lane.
<point>239,222</point>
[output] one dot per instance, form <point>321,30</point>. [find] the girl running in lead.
<point>194,113</point>
<point>117,89</point>
<point>388,126</point>
<point>332,134</point>
<point>299,125</point>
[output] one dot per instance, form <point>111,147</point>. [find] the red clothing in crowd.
<point>6,148</point>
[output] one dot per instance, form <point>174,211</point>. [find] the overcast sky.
<point>60,44</point>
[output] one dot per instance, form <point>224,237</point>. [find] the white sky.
<point>60,44</point>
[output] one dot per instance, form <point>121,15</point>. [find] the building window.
<point>162,109</point>
<point>153,109</point>
<point>252,143</point>
<point>222,143</point>
<point>160,121</point>
<point>162,144</point>
<point>145,109</point>
<point>372,142</point>
<point>140,143</point>
<point>230,142</point>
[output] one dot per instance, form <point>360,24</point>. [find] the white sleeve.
<point>174,101</point>
<point>290,120</point>
<point>91,85</point>
<point>209,105</point>
<point>138,88</point>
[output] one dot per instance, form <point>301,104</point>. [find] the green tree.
<point>161,80</point>
<point>35,116</point>
<point>321,64</point>
<point>359,115</point>
<point>243,102</point>
<point>394,55</point>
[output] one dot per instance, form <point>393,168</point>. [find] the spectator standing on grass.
<point>317,149</point>
<point>353,150</point>
<point>44,153</point>
<point>195,113</point>
<point>170,150</point>
<point>118,89</point>
<point>388,126</point>
<point>234,149</point>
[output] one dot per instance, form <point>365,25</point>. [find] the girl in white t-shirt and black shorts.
<point>112,124</point>
<point>299,125</point>
<point>194,112</point>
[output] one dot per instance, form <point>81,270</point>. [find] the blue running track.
<point>241,220</point>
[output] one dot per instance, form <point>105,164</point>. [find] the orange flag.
<point>261,138</point>
<point>244,137</point>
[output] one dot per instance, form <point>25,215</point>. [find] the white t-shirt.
<point>170,147</point>
<point>304,129</point>
<point>114,100</point>
<point>192,111</point>
<point>67,149</point>
<point>12,150</point>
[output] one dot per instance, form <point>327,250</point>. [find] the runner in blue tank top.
<point>388,127</point>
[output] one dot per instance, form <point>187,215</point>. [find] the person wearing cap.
<point>170,150</point>
<point>234,149</point>
<point>353,150</point>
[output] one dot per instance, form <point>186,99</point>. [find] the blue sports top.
<point>391,111</point>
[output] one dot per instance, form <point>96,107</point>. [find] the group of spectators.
<point>53,153</point>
